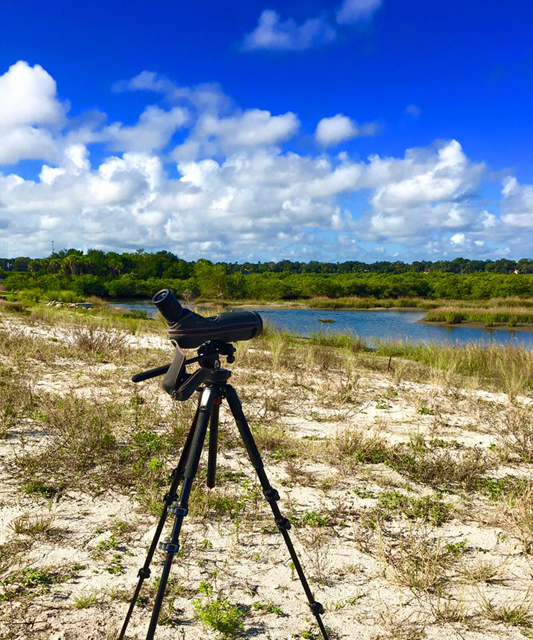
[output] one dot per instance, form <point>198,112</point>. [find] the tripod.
<point>213,390</point>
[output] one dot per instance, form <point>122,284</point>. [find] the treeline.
<point>72,273</point>
<point>164,264</point>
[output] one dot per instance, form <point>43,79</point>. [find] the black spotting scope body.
<point>189,330</point>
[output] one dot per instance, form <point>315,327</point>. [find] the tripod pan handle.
<point>151,373</point>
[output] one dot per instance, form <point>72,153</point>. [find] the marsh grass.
<point>512,316</point>
<point>506,367</point>
<point>104,317</point>
<point>12,306</point>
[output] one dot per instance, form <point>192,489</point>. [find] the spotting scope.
<point>190,330</point>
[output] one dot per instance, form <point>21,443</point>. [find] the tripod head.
<point>178,382</point>
<point>211,336</point>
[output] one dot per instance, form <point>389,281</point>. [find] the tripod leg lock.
<point>316,608</point>
<point>169,498</point>
<point>169,547</point>
<point>271,495</point>
<point>178,511</point>
<point>283,524</point>
<point>144,573</point>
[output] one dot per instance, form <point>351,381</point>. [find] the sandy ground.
<point>351,566</point>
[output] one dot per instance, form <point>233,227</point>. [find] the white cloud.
<point>356,10</point>
<point>252,128</point>
<point>422,194</point>
<point>153,131</point>
<point>517,203</point>
<point>337,129</point>
<point>275,34</point>
<point>29,114</point>
<point>249,129</point>
<point>239,192</point>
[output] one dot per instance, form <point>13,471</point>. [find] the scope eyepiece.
<point>168,305</point>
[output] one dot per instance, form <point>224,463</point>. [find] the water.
<point>372,325</point>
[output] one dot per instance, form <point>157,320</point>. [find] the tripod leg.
<point>180,511</point>
<point>272,496</point>
<point>168,499</point>
<point>213,443</point>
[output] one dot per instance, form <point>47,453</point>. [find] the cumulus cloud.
<point>339,128</point>
<point>153,131</point>
<point>236,191</point>
<point>243,130</point>
<point>275,34</point>
<point>29,113</point>
<point>517,203</point>
<point>425,192</point>
<point>352,11</point>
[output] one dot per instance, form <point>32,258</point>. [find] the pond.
<point>371,325</point>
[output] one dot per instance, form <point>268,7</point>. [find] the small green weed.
<point>217,613</point>
<point>86,600</point>
<point>268,607</point>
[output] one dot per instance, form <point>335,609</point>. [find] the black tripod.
<point>214,389</point>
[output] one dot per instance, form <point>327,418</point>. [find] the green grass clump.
<point>346,341</point>
<point>218,613</point>
<point>28,581</point>
<point>86,600</point>
<point>429,508</point>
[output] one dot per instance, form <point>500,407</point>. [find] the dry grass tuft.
<point>520,517</point>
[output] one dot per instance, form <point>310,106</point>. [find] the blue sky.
<point>356,129</point>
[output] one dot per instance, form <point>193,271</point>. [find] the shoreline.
<point>500,326</point>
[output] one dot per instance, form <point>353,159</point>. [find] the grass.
<point>86,600</point>
<point>28,581</point>
<point>91,444</point>
<point>16,400</point>
<point>218,613</point>
<point>32,525</point>
<point>420,561</point>
<point>430,508</point>
<point>125,440</point>
<point>516,614</point>
<point>507,367</point>
<point>514,428</point>
<point>520,516</point>
<point>419,460</point>
<point>511,317</point>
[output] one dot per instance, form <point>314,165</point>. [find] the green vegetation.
<point>511,316</point>
<point>217,613</point>
<point>431,509</point>
<point>71,275</point>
